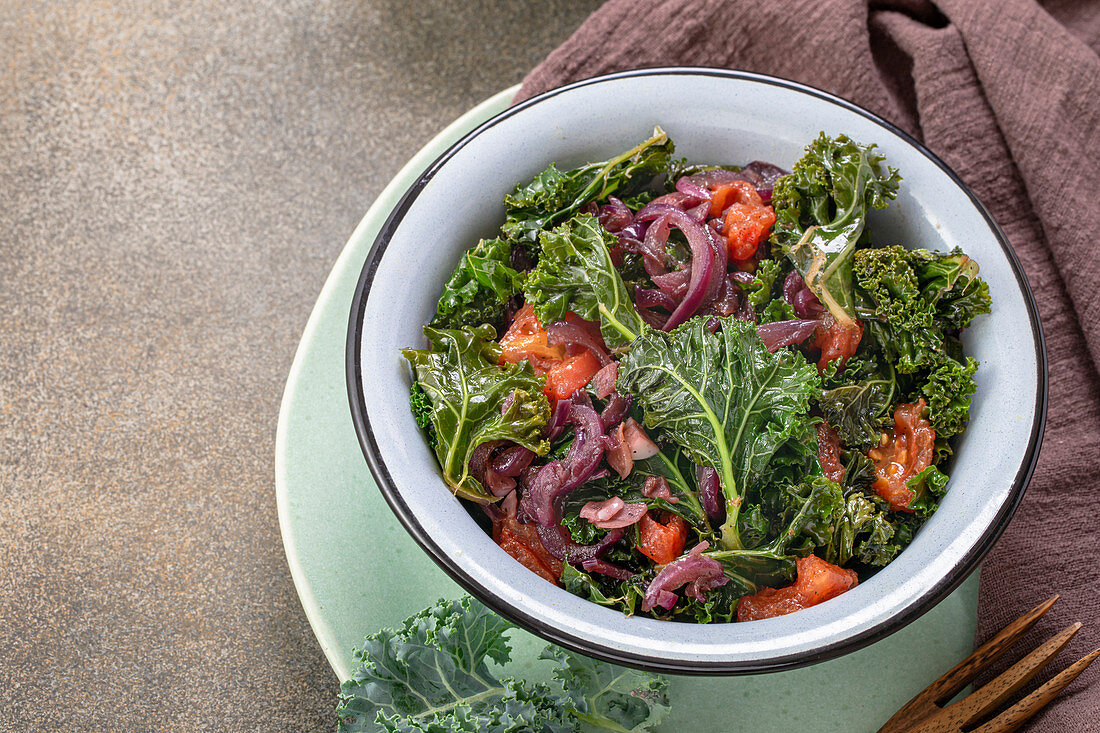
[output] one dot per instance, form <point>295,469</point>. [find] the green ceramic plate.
<point>357,570</point>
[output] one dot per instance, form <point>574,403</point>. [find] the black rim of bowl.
<point>592,647</point>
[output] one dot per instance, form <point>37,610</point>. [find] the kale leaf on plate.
<point>474,400</point>
<point>433,675</point>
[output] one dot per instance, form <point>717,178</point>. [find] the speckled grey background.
<point>176,180</point>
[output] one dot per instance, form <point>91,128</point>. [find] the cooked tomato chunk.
<point>662,543</point>
<point>899,459</point>
<point>817,581</point>
<point>836,341</point>
<point>522,542</point>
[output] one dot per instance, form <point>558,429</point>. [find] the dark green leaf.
<point>948,389</point>
<point>857,410</point>
<point>821,210</point>
<point>479,287</point>
<point>760,290</point>
<point>553,196</point>
<point>468,392</point>
<point>723,398</point>
<point>927,486</point>
<point>575,273</point>
<point>421,407</point>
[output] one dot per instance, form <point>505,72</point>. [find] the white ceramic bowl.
<point>713,116</point>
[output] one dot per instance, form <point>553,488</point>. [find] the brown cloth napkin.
<point>1008,94</point>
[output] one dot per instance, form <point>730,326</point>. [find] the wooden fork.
<point>926,713</point>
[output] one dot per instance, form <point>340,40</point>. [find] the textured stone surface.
<point>176,180</point>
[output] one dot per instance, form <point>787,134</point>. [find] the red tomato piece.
<point>571,374</point>
<point>906,455</point>
<point>662,543</point>
<point>747,220</point>
<point>522,542</point>
<point>836,341</point>
<point>828,452</point>
<point>817,581</point>
<point>525,340</point>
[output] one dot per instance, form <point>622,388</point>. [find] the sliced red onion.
<point>615,409</point>
<point>709,179</point>
<point>652,318</point>
<point>558,419</point>
<point>727,302</point>
<point>702,262</point>
<point>604,381</point>
<point>661,205</point>
<point>763,177</point>
<point>654,257</point>
<point>713,324</point>
<point>567,333</point>
<point>595,565</point>
<point>652,298</point>
<point>656,487</point>
<point>673,284</point>
<point>542,490</point>
<point>710,493</point>
<point>613,513</point>
<point>641,447</point>
<point>617,452</point>
<point>697,572</point>
<point>784,333</point>
<point>718,269</point>
<point>587,449</point>
<point>635,231</point>
<point>666,599</point>
<point>560,544</point>
<point>699,213</point>
<point>590,208</point>
<point>512,461</point>
<point>614,215</point>
<point>686,185</point>
<point>742,277</point>
<point>482,470</point>
<point>801,298</point>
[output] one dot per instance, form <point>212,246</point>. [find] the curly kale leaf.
<point>421,407</point>
<point>928,487</point>
<point>759,291</point>
<point>608,697</point>
<point>806,514</point>
<point>475,401</point>
<point>857,408</point>
<point>908,298</point>
<point>553,196</point>
<point>575,273</point>
<point>432,676</point>
<point>948,390</point>
<point>723,398</point>
<point>479,287</point>
<point>821,210</point>
<point>951,282</point>
<point>863,531</point>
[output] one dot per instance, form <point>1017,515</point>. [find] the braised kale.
<point>479,287</point>
<point>821,210</point>
<point>432,676</point>
<point>553,196</point>
<point>474,400</point>
<point>575,273</point>
<point>723,398</point>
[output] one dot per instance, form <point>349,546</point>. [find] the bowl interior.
<point>713,117</point>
